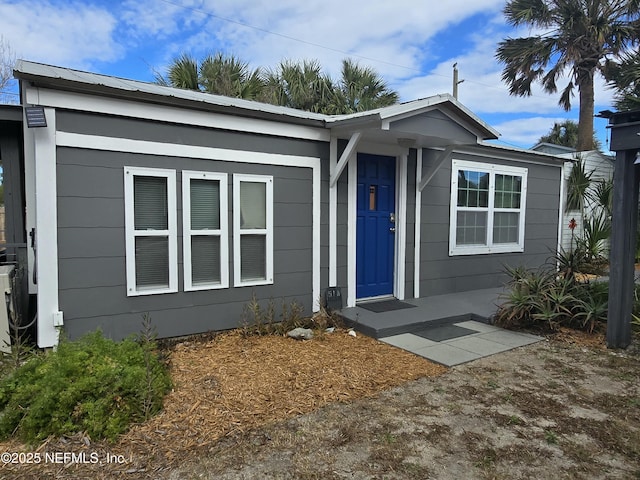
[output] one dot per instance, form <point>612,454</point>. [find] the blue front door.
<point>375,231</point>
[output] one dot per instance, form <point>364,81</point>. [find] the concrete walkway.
<point>449,329</point>
<point>462,342</point>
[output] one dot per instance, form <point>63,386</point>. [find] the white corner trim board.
<point>417,226</point>
<point>44,151</point>
<point>93,142</point>
<point>401,231</point>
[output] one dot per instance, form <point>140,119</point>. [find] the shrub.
<point>546,299</point>
<point>93,385</point>
<point>257,320</point>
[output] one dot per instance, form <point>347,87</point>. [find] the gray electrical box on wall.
<point>333,298</point>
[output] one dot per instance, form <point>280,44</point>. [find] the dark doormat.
<point>385,306</point>
<point>445,332</point>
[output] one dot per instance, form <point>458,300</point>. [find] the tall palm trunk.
<point>585,121</point>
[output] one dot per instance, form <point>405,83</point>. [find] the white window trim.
<point>131,233</point>
<point>222,232</point>
<point>268,231</point>
<point>492,169</point>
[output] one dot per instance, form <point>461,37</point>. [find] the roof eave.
<point>165,95</point>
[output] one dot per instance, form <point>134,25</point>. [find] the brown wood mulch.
<point>231,384</point>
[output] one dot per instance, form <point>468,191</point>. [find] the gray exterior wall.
<point>441,273</point>
<point>91,234</point>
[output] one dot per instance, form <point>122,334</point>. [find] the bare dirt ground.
<point>562,408</point>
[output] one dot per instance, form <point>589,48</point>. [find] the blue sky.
<point>412,44</point>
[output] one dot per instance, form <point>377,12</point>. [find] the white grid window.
<point>253,229</point>
<point>487,208</point>
<point>205,230</point>
<point>151,230</point>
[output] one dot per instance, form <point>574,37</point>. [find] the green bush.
<point>92,385</point>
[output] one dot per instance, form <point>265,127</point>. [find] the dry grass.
<point>231,384</point>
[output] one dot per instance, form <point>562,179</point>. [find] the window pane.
<point>505,227</point>
<point>471,228</point>
<point>253,257</point>
<point>150,203</point>
<point>508,191</point>
<point>473,189</point>
<point>205,204</point>
<point>205,259</point>
<point>253,205</point>
<point>152,262</point>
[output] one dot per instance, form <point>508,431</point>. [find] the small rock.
<point>301,333</point>
<point>352,333</point>
<point>330,329</point>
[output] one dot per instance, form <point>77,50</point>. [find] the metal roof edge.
<point>95,82</point>
<point>525,154</point>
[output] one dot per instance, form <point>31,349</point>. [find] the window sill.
<point>199,288</point>
<point>251,283</point>
<point>151,291</point>
<point>477,250</point>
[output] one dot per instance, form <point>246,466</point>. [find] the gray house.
<point>183,204</point>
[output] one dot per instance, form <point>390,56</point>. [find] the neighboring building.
<point>552,148</point>
<point>601,167</point>
<point>180,204</point>
<point>13,239</point>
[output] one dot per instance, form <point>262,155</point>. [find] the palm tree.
<point>300,85</point>
<point>565,134</point>
<point>361,89</point>
<point>218,74</point>
<point>183,73</point>
<point>230,77</point>
<point>624,76</point>
<point>579,35</point>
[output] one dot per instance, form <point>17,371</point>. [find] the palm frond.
<point>183,72</point>
<point>577,186</point>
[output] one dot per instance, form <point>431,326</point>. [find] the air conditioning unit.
<point>5,289</point>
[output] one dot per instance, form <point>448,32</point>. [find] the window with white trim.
<point>151,230</point>
<point>253,229</point>
<point>205,230</point>
<point>487,208</point>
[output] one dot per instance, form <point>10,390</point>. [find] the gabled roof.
<point>416,107</point>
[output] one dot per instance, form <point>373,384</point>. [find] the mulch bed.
<point>230,384</point>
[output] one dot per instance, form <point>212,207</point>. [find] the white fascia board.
<point>164,113</point>
<point>49,316</point>
<point>92,142</point>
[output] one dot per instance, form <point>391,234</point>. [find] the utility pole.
<point>456,82</point>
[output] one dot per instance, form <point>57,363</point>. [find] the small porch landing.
<point>478,305</point>
<point>448,329</point>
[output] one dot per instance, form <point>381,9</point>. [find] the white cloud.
<point>70,34</point>
<point>526,131</point>
<point>402,40</point>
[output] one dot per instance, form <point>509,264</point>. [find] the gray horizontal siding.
<point>136,129</point>
<point>441,273</point>
<point>91,236</point>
